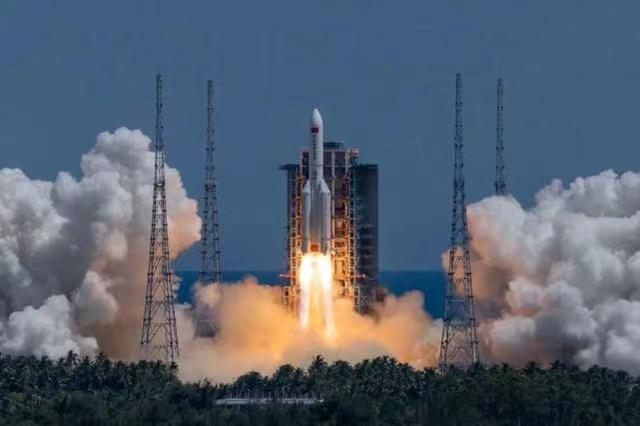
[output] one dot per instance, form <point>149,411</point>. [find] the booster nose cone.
<point>316,119</point>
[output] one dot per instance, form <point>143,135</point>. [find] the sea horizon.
<point>430,282</point>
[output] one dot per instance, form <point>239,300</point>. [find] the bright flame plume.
<point>316,293</point>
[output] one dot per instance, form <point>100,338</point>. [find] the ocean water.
<point>430,283</point>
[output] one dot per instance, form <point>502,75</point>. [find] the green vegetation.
<point>75,391</point>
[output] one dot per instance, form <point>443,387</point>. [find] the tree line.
<point>380,391</point>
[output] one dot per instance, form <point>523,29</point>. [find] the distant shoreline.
<point>431,283</point>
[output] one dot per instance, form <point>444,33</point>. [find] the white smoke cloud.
<point>48,330</point>
<point>73,261</point>
<point>561,280</point>
<point>73,253</point>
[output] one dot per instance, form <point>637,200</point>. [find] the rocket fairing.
<point>316,196</point>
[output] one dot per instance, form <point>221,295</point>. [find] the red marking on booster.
<point>315,130</point>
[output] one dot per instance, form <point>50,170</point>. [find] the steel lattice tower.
<point>159,335</point>
<point>459,344</point>
<point>210,267</point>
<point>500,184</point>
<point>210,270</point>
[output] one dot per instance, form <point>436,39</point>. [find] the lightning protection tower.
<point>159,336</point>
<point>500,184</point>
<point>459,344</point>
<point>210,268</point>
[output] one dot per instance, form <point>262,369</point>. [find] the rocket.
<point>316,196</point>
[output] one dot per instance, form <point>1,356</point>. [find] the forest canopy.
<point>98,391</point>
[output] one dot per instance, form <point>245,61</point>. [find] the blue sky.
<point>381,72</point>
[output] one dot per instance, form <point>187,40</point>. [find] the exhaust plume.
<point>73,253</point>
<point>73,262</point>
<point>316,293</point>
<point>256,333</point>
<point>561,280</point>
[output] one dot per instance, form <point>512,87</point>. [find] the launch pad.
<point>352,221</point>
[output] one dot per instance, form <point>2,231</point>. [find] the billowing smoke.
<point>256,333</point>
<point>561,280</point>
<point>73,263</point>
<point>73,253</point>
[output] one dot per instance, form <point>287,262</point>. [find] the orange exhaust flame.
<point>315,280</point>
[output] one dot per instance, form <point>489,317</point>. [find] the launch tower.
<point>210,264</point>
<point>500,184</point>
<point>159,335</point>
<point>354,223</point>
<point>459,344</point>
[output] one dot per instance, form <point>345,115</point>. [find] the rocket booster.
<point>316,196</point>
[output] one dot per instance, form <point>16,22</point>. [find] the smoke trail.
<point>73,253</point>
<point>561,280</point>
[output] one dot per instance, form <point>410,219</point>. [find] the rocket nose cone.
<point>316,119</point>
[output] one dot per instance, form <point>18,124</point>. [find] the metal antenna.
<point>459,344</point>
<point>159,335</point>
<point>500,184</point>
<point>210,269</point>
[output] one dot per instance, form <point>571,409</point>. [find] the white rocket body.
<point>316,196</point>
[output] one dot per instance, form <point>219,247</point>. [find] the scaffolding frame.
<point>344,234</point>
